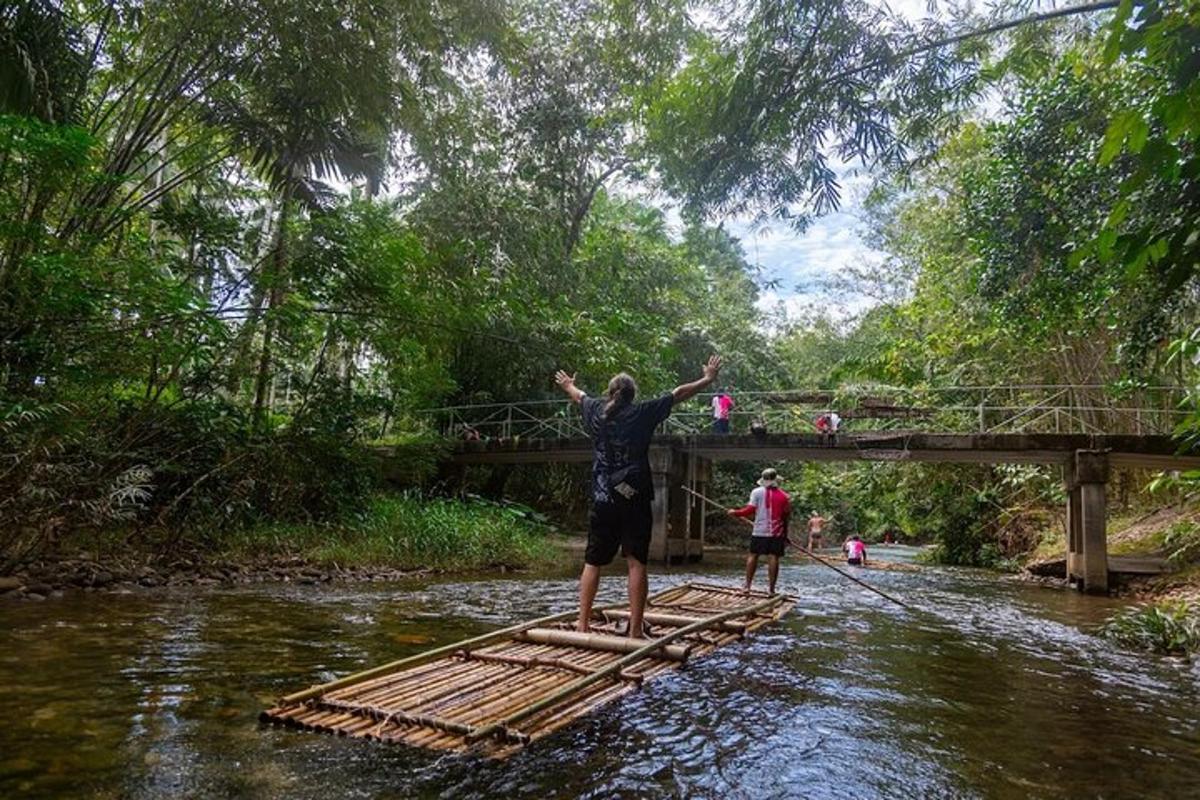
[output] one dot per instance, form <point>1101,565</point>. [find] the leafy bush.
<point>1171,628</point>
<point>1182,543</point>
<point>196,465</point>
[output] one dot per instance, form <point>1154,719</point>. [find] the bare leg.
<point>639,587</point>
<point>772,572</point>
<point>751,568</point>
<point>589,582</point>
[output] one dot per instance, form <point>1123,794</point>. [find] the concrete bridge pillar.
<point>677,534</point>
<point>1087,533</point>
<point>662,465</point>
<point>697,476</point>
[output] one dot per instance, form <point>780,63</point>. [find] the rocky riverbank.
<point>83,573</point>
<point>1152,556</point>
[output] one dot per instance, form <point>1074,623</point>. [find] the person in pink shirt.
<point>855,550</point>
<point>771,509</point>
<point>722,404</point>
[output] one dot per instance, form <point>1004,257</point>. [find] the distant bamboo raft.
<point>495,693</point>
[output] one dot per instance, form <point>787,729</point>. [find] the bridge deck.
<point>1152,452</point>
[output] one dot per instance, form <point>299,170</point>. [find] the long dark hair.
<point>621,391</point>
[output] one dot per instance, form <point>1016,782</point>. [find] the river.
<point>993,689</point>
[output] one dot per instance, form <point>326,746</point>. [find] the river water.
<point>993,689</point>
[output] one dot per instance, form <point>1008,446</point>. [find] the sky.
<point>801,263</point>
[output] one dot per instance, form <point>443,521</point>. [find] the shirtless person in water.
<point>816,524</point>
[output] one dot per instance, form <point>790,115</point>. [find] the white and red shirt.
<point>770,507</point>
<point>722,404</point>
<point>855,548</point>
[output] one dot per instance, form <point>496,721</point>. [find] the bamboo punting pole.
<point>815,557</point>
<point>641,653</point>
<point>598,641</point>
<point>428,655</point>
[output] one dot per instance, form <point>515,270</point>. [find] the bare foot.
<point>582,627</point>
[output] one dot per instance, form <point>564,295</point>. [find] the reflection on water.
<point>991,689</point>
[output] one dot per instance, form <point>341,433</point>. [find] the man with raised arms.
<point>622,487</point>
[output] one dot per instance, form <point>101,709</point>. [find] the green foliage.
<point>220,327</point>
<point>1169,628</point>
<point>197,463</point>
<point>1154,138</point>
<point>207,304</point>
<point>405,532</point>
<point>918,503</point>
<point>1182,543</point>
<point>749,123</point>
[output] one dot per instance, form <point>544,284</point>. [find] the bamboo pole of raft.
<point>596,641</point>
<point>429,655</point>
<point>812,555</point>
<point>505,725</point>
<point>675,620</point>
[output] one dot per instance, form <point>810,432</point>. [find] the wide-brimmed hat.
<point>769,477</point>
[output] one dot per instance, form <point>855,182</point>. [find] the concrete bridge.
<point>1080,429</point>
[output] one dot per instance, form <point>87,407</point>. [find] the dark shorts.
<point>620,525</point>
<point>767,545</point>
<point>854,562</point>
<point>720,426</point>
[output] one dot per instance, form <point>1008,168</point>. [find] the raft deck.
<point>494,694</point>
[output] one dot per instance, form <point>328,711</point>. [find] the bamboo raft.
<point>494,694</point>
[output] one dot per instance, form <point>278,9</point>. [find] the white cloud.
<point>801,265</point>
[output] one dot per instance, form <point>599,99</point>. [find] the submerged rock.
<point>1052,568</point>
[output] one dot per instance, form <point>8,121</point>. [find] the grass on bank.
<point>405,532</point>
<point>1170,627</point>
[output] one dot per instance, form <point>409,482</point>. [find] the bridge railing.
<point>967,409</point>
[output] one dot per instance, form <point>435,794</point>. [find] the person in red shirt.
<point>771,509</point>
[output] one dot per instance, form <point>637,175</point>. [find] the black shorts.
<point>854,562</point>
<point>621,524</point>
<point>767,545</point>
<point>721,425</point>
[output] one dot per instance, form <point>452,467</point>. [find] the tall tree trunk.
<point>244,340</point>
<point>276,281</point>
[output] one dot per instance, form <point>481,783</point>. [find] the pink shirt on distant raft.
<point>855,549</point>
